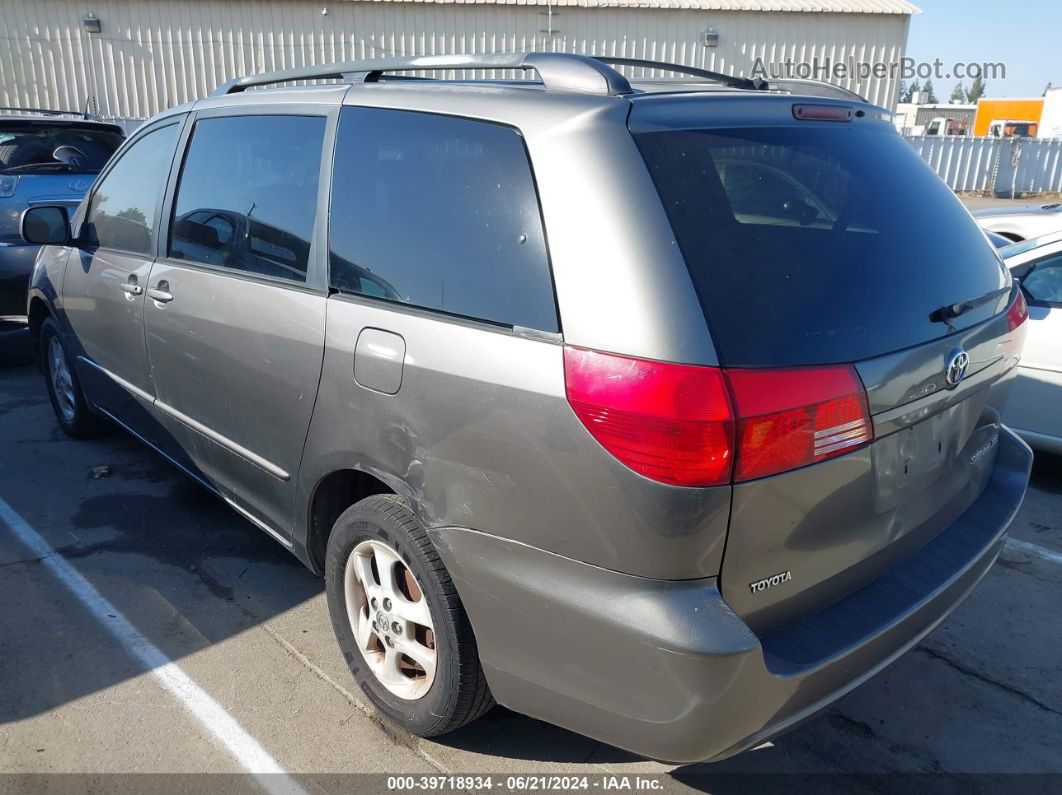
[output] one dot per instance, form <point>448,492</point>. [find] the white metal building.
<point>132,58</point>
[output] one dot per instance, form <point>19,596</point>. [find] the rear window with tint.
<point>31,147</point>
<point>818,244</point>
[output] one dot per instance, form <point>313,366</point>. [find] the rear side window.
<point>1044,283</point>
<point>247,197</point>
<point>122,213</point>
<point>818,244</point>
<point>441,213</point>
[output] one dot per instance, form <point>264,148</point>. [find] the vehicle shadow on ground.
<point>173,558</point>
<point>1047,472</point>
<point>16,345</point>
<point>509,735</point>
<point>506,734</point>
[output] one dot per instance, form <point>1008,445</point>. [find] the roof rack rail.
<point>730,81</point>
<point>46,112</point>
<point>558,71</point>
<point>815,88</point>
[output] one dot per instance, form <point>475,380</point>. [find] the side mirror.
<point>46,225</point>
<point>1019,272</point>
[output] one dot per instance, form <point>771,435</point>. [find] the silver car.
<point>1034,408</point>
<point>1021,222</point>
<point>633,407</point>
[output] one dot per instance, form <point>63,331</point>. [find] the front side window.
<point>440,213</point>
<point>1044,283</point>
<point>122,213</point>
<point>247,197</point>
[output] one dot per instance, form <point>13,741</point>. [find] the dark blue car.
<point>46,157</point>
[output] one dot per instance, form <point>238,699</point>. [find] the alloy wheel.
<point>390,619</point>
<point>62,381</point>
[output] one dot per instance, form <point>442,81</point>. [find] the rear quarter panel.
<point>480,435</point>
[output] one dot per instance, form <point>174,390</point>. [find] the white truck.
<point>1051,118</point>
<point>942,126</point>
<point>1013,128</point>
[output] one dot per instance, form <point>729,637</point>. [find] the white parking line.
<point>1035,550</point>
<point>242,746</point>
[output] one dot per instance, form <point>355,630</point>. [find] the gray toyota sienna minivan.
<point>662,411</point>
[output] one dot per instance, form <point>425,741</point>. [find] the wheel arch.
<point>38,312</point>
<point>331,496</point>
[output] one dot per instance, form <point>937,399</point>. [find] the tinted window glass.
<point>34,148</point>
<point>816,244</point>
<point>1044,284</point>
<point>441,213</point>
<point>247,197</point>
<point>122,215</point>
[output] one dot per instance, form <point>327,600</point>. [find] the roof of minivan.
<point>523,104</point>
<point>508,94</point>
<point>561,75</point>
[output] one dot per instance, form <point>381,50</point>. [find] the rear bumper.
<point>16,266</point>
<point>667,670</point>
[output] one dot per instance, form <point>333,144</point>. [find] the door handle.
<point>132,286</point>
<point>160,293</point>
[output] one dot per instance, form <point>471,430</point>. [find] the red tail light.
<point>789,418</point>
<point>669,422</point>
<point>674,423</point>
<point>1018,312</point>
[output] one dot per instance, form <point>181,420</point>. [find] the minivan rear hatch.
<point>821,245</point>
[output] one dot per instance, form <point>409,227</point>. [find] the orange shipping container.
<point>990,110</point>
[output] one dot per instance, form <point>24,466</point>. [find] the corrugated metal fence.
<point>1002,166</point>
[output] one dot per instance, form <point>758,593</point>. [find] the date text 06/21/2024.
<point>525,783</point>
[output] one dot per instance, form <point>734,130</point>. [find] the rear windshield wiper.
<point>948,313</point>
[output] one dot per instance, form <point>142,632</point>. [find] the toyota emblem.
<point>955,369</point>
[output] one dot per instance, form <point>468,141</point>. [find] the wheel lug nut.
<point>397,628</point>
<point>374,603</point>
<point>387,603</point>
<point>389,640</point>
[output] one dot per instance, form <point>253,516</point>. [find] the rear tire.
<point>382,533</point>
<point>71,409</point>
